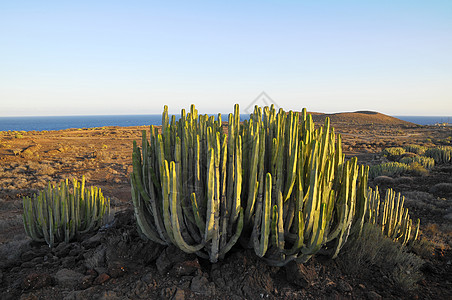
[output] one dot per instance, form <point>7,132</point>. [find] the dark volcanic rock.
<point>201,285</point>
<point>101,278</point>
<point>184,268</point>
<point>300,275</point>
<point>169,257</point>
<point>69,278</point>
<point>36,281</point>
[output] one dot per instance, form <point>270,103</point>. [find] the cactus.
<point>59,213</point>
<point>388,169</point>
<point>187,181</point>
<point>415,149</point>
<point>391,215</point>
<point>441,155</point>
<point>309,195</point>
<point>426,162</point>
<point>277,183</point>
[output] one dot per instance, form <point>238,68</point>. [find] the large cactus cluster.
<point>60,212</point>
<point>391,215</point>
<point>186,184</point>
<point>299,192</point>
<point>274,182</point>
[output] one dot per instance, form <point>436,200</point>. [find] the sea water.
<point>65,122</point>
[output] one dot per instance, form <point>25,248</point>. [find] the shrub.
<point>417,169</point>
<point>415,149</point>
<point>392,152</point>
<point>426,162</point>
<point>60,212</point>
<point>372,251</point>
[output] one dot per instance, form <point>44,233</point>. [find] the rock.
<point>62,249</point>
<point>108,295</point>
<point>148,278</point>
<point>168,293</point>
<point>91,272</point>
<point>300,274</point>
<point>170,256</point>
<point>87,281</point>
<point>374,296</point>
<point>93,241</point>
<point>344,287</point>
<point>68,262</point>
<point>30,296</point>
<point>36,281</point>
<point>31,254</point>
<point>448,217</point>
<point>101,278</point>
<point>69,278</point>
<point>28,265</point>
<point>201,285</point>
<point>179,295</point>
<point>81,295</point>
<point>185,268</point>
<point>116,269</point>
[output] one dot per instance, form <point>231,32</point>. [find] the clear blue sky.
<point>132,57</point>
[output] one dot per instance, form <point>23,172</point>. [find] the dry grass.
<point>373,250</point>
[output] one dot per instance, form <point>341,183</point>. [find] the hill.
<point>359,118</point>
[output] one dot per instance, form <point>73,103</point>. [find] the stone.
<point>101,278</point>
<point>68,262</point>
<point>28,265</point>
<point>93,241</point>
<point>169,257</point>
<point>108,295</point>
<point>68,278</point>
<point>179,295</point>
<point>62,249</point>
<point>29,296</point>
<point>201,285</point>
<point>36,281</point>
<point>168,293</point>
<point>300,275</point>
<point>185,268</point>
<point>374,296</point>
<point>116,269</point>
<point>29,255</point>
<point>87,281</point>
<point>344,287</point>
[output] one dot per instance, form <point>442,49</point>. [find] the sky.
<point>133,57</point>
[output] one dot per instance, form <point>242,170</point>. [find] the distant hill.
<point>359,118</point>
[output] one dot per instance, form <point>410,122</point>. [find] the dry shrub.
<point>423,247</point>
<point>443,188</point>
<point>373,250</point>
<point>417,169</point>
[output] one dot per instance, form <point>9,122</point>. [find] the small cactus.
<point>59,213</point>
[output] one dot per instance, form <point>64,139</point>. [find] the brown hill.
<point>359,118</point>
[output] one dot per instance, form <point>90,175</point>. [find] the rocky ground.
<point>115,263</point>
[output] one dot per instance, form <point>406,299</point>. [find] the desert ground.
<point>115,263</point>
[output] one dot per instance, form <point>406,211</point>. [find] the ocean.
<point>426,120</point>
<point>65,122</point>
